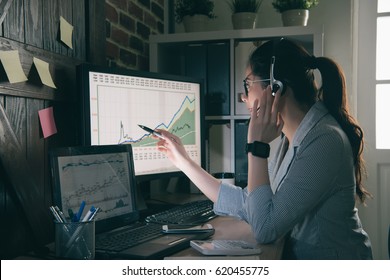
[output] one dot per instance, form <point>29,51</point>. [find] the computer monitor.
<point>115,101</point>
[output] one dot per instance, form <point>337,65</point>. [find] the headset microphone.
<point>275,84</point>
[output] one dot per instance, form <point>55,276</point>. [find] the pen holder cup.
<point>75,240</point>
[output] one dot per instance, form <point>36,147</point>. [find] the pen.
<point>55,214</point>
<point>158,134</point>
<point>62,216</point>
<point>77,217</point>
<point>94,214</point>
<point>89,214</point>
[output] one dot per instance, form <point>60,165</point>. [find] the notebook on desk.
<point>103,176</point>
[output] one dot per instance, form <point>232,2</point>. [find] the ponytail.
<point>333,95</point>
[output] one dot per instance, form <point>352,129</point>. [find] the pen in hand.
<point>158,134</point>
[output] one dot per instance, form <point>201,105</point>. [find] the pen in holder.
<point>75,240</point>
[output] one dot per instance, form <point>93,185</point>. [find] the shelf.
<point>298,32</point>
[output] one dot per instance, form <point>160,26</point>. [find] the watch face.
<point>258,149</point>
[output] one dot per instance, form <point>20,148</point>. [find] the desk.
<point>225,228</point>
<point>231,228</point>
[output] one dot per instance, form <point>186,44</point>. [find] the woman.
<point>307,192</point>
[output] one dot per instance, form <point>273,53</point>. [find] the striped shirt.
<point>311,198</point>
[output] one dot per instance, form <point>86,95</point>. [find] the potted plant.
<point>294,12</point>
<point>194,14</point>
<point>244,13</point>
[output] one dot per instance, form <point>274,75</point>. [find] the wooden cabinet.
<point>219,58</point>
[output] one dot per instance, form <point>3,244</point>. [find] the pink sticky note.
<point>48,124</point>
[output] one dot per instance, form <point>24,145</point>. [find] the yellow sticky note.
<point>12,66</point>
<point>66,30</point>
<point>44,73</point>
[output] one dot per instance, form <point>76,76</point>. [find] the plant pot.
<point>195,23</point>
<point>295,17</point>
<point>244,20</point>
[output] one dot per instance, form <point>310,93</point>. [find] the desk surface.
<point>231,228</point>
<point>225,228</point>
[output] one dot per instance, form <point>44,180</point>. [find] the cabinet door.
<point>241,159</point>
<point>195,61</point>
<point>219,154</point>
<point>242,51</point>
<point>218,85</point>
<point>210,62</point>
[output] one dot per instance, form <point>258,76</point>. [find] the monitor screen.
<point>101,176</point>
<point>117,101</point>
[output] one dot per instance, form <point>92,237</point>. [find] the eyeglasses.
<point>249,83</point>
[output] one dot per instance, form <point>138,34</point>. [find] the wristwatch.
<point>258,149</point>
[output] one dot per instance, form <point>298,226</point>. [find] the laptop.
<point>103,176</point>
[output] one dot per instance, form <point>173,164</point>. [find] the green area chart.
<point>182,124</point>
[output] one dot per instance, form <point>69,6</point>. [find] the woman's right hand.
<point>173,148</point>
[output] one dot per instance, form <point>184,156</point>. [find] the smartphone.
<point>225,247</point>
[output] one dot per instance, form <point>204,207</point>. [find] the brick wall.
<point>128,26</point>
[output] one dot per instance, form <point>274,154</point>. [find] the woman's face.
<point>254,88</point>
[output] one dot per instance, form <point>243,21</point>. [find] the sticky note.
<point>44,73</point>
<point>66,30</point>
<point>12,66</point>
<point>48,125</point>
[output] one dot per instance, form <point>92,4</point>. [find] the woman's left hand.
<point>266,123</point>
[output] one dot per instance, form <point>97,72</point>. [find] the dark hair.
<point>294,67</point>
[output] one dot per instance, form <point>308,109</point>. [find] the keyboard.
<point>188,214</point>
<point>129,237</point>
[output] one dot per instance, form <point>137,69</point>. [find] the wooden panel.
<point>15,108</point>
<point>33,23</point>
<point>51,24</point>
<point>25,188</point>
<point>16,235</point>
<point>14,21</point>
<point>65,10</point>
<point>79,34</point>
<point>4,6</point>
<point>63,71</point>
<point>35,144</point>
<point>97,32</point>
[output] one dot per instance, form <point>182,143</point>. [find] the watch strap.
<point>258,149</point>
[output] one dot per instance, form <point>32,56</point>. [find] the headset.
<point>275,84</point>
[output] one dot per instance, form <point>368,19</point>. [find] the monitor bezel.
<point>83,71</point>
<point>108,223</point>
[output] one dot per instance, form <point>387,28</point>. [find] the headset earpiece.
<point>275,84</point>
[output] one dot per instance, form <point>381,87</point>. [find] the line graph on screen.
<point>181,124</point>
<point>97,179</point>
<point>117,111</point>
